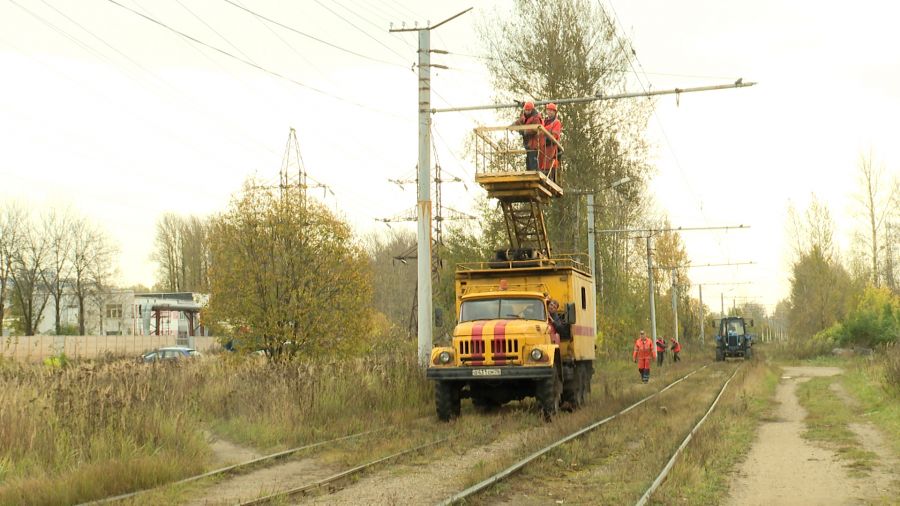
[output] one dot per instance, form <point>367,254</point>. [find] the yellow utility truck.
<point>508,343</point>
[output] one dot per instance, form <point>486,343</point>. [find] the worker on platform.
<point>531,139</point>
<point>548,158</point>
<point>676,349</point>
<point>642,355</point>
<point>660,350</point>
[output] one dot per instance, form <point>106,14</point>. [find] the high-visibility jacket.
<point>676,346</point>
<point>549,150</point>
<point>643,352</point>
<point>660,345</point>
<point>532,139</point>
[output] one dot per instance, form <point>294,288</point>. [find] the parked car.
<point>170,353</point>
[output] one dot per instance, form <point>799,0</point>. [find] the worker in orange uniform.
<point>548,159</point>
<point>643,354</point>
<point>676,349</point>
<point>660,350</point>
<point>532,139</point>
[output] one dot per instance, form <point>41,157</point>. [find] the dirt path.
<point>267,480</point>
<point>784,468</point>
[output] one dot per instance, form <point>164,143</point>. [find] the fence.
<point>37,348</point>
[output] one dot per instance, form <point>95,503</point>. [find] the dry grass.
<point>91,430</point>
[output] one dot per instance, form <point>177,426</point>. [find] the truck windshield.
<point>502,309</point>
<point>734,327</point>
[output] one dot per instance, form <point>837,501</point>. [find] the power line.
<point>329,44</point>
<point>367,34</point>
<point>249,63</point>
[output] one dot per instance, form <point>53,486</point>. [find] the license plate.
<point>486,372</point>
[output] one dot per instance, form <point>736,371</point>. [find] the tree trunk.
<point>80,298</point>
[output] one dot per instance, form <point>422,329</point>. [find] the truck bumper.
<point>487,373</point>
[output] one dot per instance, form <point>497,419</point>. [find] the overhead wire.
<point>312,37</point>
<point>367,34</point>
<point>251,64</point>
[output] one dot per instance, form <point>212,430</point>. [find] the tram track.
<point>232,469</point>
<point>509,471</point>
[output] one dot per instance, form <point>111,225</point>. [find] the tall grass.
<point>90,430</point>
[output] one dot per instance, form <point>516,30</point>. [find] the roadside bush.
<point>892,368</point>
<point>874,321</point>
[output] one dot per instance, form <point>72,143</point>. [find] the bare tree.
<point>30,294</point>
<point>92,257</point>
<point>56,231</point>
<point>168,253</point>
<point>876,199</point>
<point>11,219</point>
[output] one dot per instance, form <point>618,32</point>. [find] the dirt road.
<point>784,468</point>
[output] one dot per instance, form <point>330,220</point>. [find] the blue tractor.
<point>733,339</point>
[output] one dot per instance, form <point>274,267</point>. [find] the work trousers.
<point>645,374</point>
<point>660,355</point>
<point>531,159</point>
<point>675,357</point>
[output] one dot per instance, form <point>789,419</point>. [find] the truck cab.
<point>509,345</point>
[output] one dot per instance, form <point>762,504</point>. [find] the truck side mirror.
<point>438,317</point>
<point>570,313</point>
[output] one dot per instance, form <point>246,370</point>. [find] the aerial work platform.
<point>500,168</point>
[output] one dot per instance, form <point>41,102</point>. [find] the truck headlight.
<point>537,354</point>
<point>444,357</point>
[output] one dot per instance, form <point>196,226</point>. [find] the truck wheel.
<point>584,383</point>
<point>446,400</point>
<point>548,394</point>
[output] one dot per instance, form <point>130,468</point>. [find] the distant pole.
<point>675,304</point>
<point>701,314</point>
<point>722,302</point>
<point>650,285</point>
<point>592,255</point>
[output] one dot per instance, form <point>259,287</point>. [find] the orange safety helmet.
<point>551,106</point>
<point>529,106</point>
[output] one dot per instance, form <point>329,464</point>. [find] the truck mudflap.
<point>487,373</point>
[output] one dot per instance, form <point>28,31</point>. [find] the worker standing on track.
<point>676,349</point>
<point>531,139</point>
<point>642,355</point>
<point>548,161</point>
<point>660,350</point>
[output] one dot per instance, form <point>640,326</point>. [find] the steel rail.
<point>343,474</point>
<point>496,478</point>
<point>231,468</point>
<point>668,467</point>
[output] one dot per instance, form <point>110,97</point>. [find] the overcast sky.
<point>122,119</point>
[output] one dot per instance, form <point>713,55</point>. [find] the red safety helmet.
<point>529,106</point>
<point>551,106</point>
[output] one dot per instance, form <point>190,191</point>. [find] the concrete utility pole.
<point>423,204</point>
<point>650,285</point>
<point>675,303</point>
<point>701,314</point>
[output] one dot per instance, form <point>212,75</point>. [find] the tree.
<point>30,294</point>
<point>11,223</point>
<point>168,252</point>
<point>182,253</point>
<point>56,229</point>
<point>821,293</point>
<point>878,201</point>
<point>91,256</point>
<point>286,276</point>
<point>575,51</point>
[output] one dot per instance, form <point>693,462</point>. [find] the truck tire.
<point>549,392</point>
<point>573,394</point>
<point>446,400</point>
